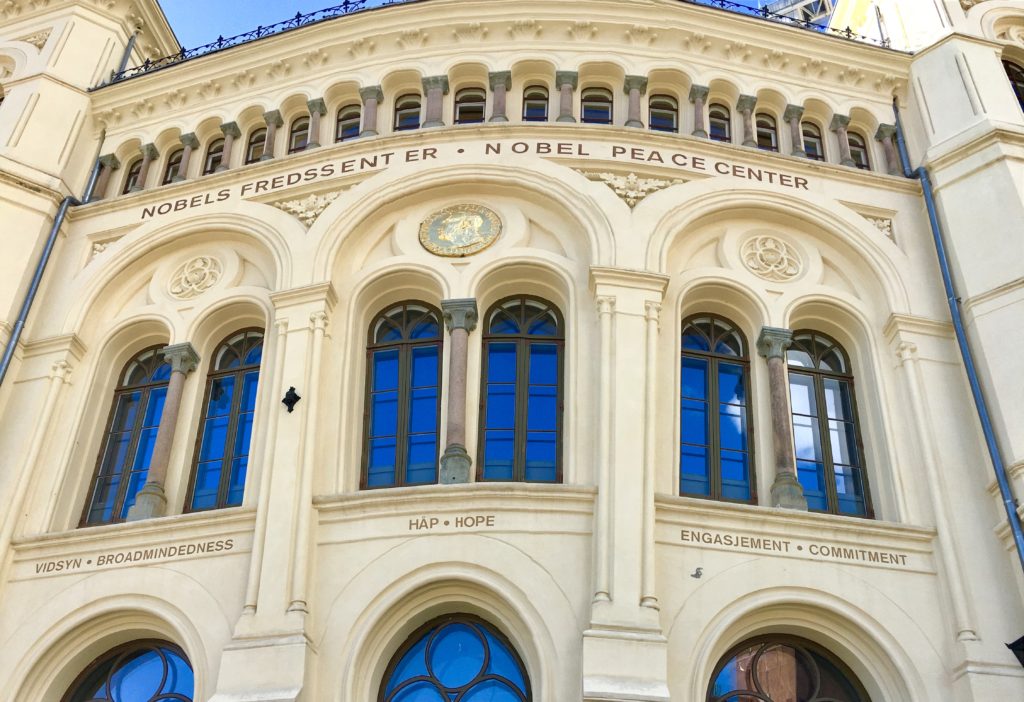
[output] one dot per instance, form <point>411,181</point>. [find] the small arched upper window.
<point>298,135</point>
<point>826,435</point>
<point>407,112</point>
<point>129,437</point>
<point>1016,75</point>
<point>214,157</point>
<point>348,125</point>
<point>403,398</point>
<point>783,669</point>
<point>719,123</point>
<point>814,146</point>
<point>173,164</point>
<point>222,450</point>
<point>470,104</point>
<point>859,151</point>
<point>535,104</point>
<point>255,146</point>
<point>521,398</point>
<point>141,671</point>
<point>132,177</point>
<point>767,132</point>
<point>596,106</point>
<point>715,449</point>
<point>458,657</point>
<point>664,113</point>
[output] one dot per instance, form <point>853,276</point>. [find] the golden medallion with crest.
<point>460,230</point>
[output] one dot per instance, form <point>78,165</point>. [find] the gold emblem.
<point>461,230</point>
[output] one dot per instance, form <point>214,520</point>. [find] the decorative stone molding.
<point>37,39</point>
<point>460,314</point>
<point>316,58</point>
<point>641,35</point>
<point>361,48</point>
<point>968,4</point>
<point>581,29</point>
<point>884,225</point>
<point>631,188</point>
<point>209,89</point>
<point>195,277</point>
<point>771,259</point>
<point>411,38</point>
<point>525,29</point>
<point>476,31</point>
<point>308,209</point>
<point>776,60</point>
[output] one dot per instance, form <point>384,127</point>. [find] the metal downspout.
<point>961,339</point>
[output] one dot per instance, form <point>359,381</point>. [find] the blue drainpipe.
<point>961,339</point>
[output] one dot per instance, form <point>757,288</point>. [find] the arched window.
<point>664,113</point>
<point>129,437</point>
<point>470,104</point>
<point>298,135</point>
<point>403,399</point>
<point>719,123</point>
<point>407,112</point>
<point>715,450</point>
<point>596,106</point>
<point>814,146</point>
<point>783,669</point>
<point>132,179</point>
<point>767,133</point>
<point>1016,75</point>
<point>825,432</point>
<point>458,657</point>
<point>141,671</point>
<point>222,449</point>
<point>521,402</point>
<point>348,126</point>
<point>535,104</point>
<point>173,164</point>
<point>859,151</point>
<point>214,157</point>
<point>255,146</point>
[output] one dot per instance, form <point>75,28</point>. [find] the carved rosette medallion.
<point>195,277</point>
<point>460,230</point>
<point>771,259</point>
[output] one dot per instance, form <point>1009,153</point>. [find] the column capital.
<point>635,83</point>
<point>885,131</point>
<point>150,151</point>
<point>793,112</point>
<point>371,92</point>
<point>273,117</point>
<point>182,357</point>
<point>110,161</point>
<point>746,103</point>
<point>773,342</point>
<point>190,140</point>
<point>699,92</point>
<point>317,105</point>
<point>436,82</point>
<point>567,77</point>
<point>497,78</point>
<point>231,129</point>
<point>839,122</point>
<point>459,314</point>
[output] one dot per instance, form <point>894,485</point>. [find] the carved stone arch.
<point>998,20</point>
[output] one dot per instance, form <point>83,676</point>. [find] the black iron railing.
<point>349,7</point>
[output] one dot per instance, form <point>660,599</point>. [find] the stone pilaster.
<point>274,121</point>
<point>460,318</point>
<point>635,87</point>
<point>786,489</point>
<point>372,96</point>
<point>566,81</point>
<point>231,132</point>
<point>435,88</point>
<point>699,96</point>
<point>191,143</point>
<point>839,126</point>
<point>745,106</point>
<point>149,154</point>
<point>793,115</point>
<point>886,135</point>
<point>501,83</point>
<point>317,109</point>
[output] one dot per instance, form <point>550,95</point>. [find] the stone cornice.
<point>628,278</point>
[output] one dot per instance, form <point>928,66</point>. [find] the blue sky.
<point>198,22</point>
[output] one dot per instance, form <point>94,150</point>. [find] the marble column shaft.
<point>745,106</point>
<point>699,96</point>
<point>460,318</point>
<point>191,143</point>
<point>566,82</point>
<point>886,134</point>
<point>501,83</point>
<point>317,109</point>
<point>149,154</point>
<point>793,115</point>
<point>435,88</point>
<point>635,87</point>
<point>786,490</point>
<point>230,132</point>
<point>839,126</point>
<point>371,96</point>
<point>274,121</point>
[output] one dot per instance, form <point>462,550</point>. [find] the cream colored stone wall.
<point>306,590</point>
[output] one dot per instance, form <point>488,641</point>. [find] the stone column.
<point>151,500</point>
<point>191,144</point>
<point>108,164</point>
<point>435,88</point>
<point>786,489</point>
<point>699,96</point>
<point>635,87</point>
<point>566,81</point>
<point>149,154</point>
<point>371,96</point>
<point>273,120</point>
<point>460,318</point>
<point>745,106</point>
<point>317,109</point>
<point>886,134</point>
<point>793,115</point>
<point>839,125</point>
<point>501,83</point>
<point>230,132</point>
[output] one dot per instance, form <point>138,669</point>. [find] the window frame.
<point>724,118</point>
<point>403,107</point>
<point>216,148</point>
<point>300,124</point>
<point>116,654</point>
<point>1012,67</point>
<point>251,143</point>
<point>771,128</point>
<point>132,174</point>
<point>345,114</point>
<point>172,166</point>
<point>463,100</point>
<point>673,109</point>
<point>594,96</point>
<point>529,99</point>
<point>817,135</point>
<point>859,148</point>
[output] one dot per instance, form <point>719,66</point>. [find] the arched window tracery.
<point>141,671</point>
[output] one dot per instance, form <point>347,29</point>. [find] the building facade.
<point>482,350</point>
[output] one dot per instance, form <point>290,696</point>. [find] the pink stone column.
<point>699,96</point>
<point>786,489</point>
<point>273,120</point>
<point>230,132</point>
<point>435,88</point>
<point>745,106</point>
<point>317,109</point>
<point>191,143</point>
<point>501,82</point>
<point>108,164</point>
<point>839,125</point>
<point>149,154</point>
<point>566,81</point>
<point>885,134</point>
<point>460,318</point>
<point>372,96</point>
<point>635,87</point>
<point>793,115</point>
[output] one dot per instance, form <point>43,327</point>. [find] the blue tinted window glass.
<point>147,674</point>
<point>695,374</point>
<point>385,370</point>
<point>545,326</point>
<point>693,473</point>
<point>735,477</point>
<point>812,479</point>
<point>421,461</point>
<point>542,408</point>
<point>381,468</point>
<point>541,456</point>
<point>732,428</point>
<point>543,364</point>
<point>492,691</point>
<point>162,373</point>
<point>501,362</point>
<point>694,422</point>
<point>731,384</point>
<point>499,451</point>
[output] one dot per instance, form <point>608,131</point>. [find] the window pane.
<point>812,479</point>
<point>385,370</point>
<point>501,406</point>
<point>732,428</point>
<point>694,473</point>
<point>693,429</point>
<point>843,440</point>
<point>541,456</point>
<point>543,364</point>
<point>421,461</point>
<point>806,440</point>
<point>837,399</point>
<point>731,385</point>
<point>381,469</point>
<point>204,494</point>
<point>735,476</point>
<point>695,378</point>
<point>850,490</point>
<point>499,450</point>
<point>501,362</point>
<point>801,394</point>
